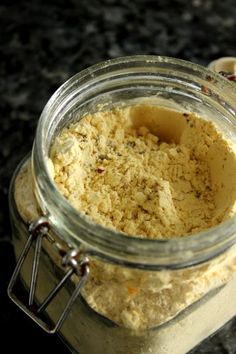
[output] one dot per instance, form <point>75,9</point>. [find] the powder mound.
<point>142,170</point>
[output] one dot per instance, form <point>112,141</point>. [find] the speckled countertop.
<point>45,42</point>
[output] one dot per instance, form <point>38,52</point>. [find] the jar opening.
<point>117,81</point>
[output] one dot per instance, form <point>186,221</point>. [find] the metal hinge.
<point>38,230</point>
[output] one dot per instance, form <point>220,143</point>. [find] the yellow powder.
<point>142,170</point>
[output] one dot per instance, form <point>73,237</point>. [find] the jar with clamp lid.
<point>103,291</point>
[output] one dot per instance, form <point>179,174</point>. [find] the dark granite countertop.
<point>45,42</point>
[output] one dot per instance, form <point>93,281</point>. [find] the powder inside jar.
<point>146,171</point>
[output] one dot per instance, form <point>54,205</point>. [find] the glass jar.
<point>181,279</point>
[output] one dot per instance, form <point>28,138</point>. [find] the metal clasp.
<point>38,230</point>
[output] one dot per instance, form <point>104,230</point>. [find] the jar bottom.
<point>84,329</point>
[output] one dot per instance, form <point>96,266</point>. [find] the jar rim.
<point>97,239</point>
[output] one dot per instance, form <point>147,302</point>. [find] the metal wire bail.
<point>38,230</point>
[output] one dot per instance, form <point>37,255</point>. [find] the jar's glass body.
<point>176,268</point>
